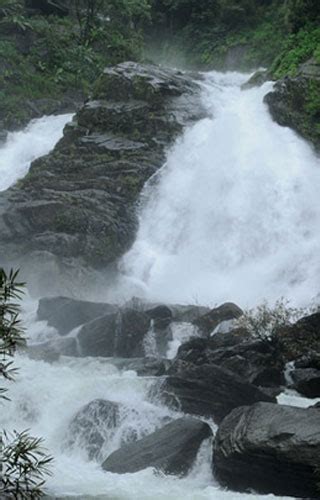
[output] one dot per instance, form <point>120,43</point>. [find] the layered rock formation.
<point>77,205</point>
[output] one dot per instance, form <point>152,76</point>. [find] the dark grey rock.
<point>171,449</point>
<point>51,350</point>
<point>209,391</point>
<point>270,449</point>
<point>145,367</point>
<point>306,381</point>
<point>93,425</point>
<point>65,314</point>
<point>292,103</point>
<point>257,362</point>
<point>118,334</point>
<point>256,80</point>
<point>212,319</point>
<point>161,316</point>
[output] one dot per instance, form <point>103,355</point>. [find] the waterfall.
<point>234,213</point>
<point>22,147</point>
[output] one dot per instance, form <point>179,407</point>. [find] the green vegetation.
<point>24,463</point>
<point>46,57</point>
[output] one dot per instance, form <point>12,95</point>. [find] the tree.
<point>93,14</point>
<point>23,461</point>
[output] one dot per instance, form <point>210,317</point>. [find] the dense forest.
<point>53,49</point>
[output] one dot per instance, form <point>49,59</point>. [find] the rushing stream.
<point>21,148</point>
<point>233,215</point>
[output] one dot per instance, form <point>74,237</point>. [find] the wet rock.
<point>144,367</point>
<point>212,319</point>
<point>134,325</point>
<point>306,381</point>
<point>93,426</point>
<point>51,350</point>
<point>115,334</point>
<point>310,360</point>
<point>256,80</point>
<point>257,362</point>
<point>172,449</point>
<point>161,316</point>
<point>270,449</point>
<point>65,314</point>
<point>77,204</point>
<point>209,391</point>
<point>293,102</point>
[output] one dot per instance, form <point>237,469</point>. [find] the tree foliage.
<point>24,463</point>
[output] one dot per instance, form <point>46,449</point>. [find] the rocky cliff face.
<point>295,102</point>
<point>78,204</point>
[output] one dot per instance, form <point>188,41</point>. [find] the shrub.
<point>23,461</point>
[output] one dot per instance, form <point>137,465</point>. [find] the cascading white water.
<point>234,213</point>
<point>46,397</point>
<point>232,216</point>
<point>21,148</point>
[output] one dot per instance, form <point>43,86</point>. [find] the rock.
<point>300,339</point>
<point>65,314</point>
<point>256,80</point>
<point>161,316</point>
<point>172,449</point>
<point>209,391</point>
<point>306,381</point>
<point>118,334</point>
<point>188,313</point>
<point>144,367</point>
<point>51,350</point>
<point>310,68</point>
<point>212,319</point>
<point>134,326</point>
<point>294,102</point>
<point>255,361</point>
<point>77,205</point>
<point>310,360</point>
<point>93,425</point>
<point>269,449</point>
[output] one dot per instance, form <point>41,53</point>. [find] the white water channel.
<point>232,215</point>
<point>21,148</point>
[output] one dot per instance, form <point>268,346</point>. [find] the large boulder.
<point>76,206</point>
<point>306,381</point>
<point>65,314</point>
<point>93,425</point>
<point>257,362</point>
<point>172,449</point>
<point>209,391</point>
<point>270,449</point>
<point>226,312</point>
<point>294,102</point>
<point>115,334</point>
<point>52,349</point>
